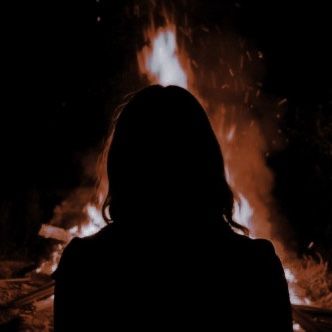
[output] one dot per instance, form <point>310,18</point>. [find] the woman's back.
<point>170,260</point>
<point>149,279</point>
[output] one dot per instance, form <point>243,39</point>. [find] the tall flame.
<point>162,65</point>
<point>242,211</point>
<point>161,61</point>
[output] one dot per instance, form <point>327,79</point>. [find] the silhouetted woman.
<point>170,260</point>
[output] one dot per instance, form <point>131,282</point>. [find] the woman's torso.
<point>155,279</point>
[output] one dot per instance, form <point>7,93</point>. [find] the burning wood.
<point>56,233</point>
<point>313,319</point>
<point>43,292</point>
<point>4,281</point>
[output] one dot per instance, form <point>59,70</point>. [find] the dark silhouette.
<point>170,260</point>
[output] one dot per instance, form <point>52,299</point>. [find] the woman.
<point>170,260</point>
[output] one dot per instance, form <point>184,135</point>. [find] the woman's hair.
<point>164,153</point>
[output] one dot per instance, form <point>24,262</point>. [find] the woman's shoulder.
<point>263,247</point>
<point>259,258</point>
<point>79,247</point>
<point>259,245</point>
<point>255,251</point>
<point>70,258</point>
<point>80,253</point>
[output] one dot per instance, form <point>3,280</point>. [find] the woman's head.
<point>164,157</point>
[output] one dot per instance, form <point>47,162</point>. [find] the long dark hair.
<point>164,149</point>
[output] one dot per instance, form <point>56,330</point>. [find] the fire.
<point>49,266</point>
<point>163,65</point>
<point>162,62</point>
<point>231,133</point>
<point>95,222</point>
<point>242,211</point>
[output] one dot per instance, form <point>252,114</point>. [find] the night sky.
<point>69,63</point>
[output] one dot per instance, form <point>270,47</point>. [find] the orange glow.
<point>160,61</point>
<point>163,62</point>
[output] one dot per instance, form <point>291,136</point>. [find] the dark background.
<point>65,70</point>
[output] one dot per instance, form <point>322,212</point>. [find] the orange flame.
<point>162,62</point>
